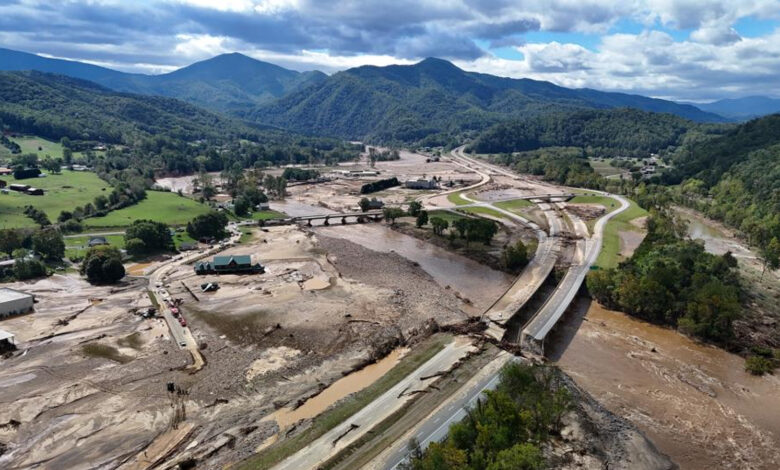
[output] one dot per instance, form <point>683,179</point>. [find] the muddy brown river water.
<point>695,402</point>
<point>480,284</point>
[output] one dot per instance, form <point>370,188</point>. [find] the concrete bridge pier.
<point>327,221</point>
<point>343,220</point>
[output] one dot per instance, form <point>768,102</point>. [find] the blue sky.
<point>681,49</point>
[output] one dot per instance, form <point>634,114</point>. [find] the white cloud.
<point>650,63</point>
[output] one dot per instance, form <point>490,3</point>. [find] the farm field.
<point>603,168</point>
<point>610,250</point>
<point>63,192</point>
<point>32,144</point>
<point>169,208</point>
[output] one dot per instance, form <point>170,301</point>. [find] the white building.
<point>14,302</point>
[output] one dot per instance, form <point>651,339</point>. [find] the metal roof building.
<point>14,302</point>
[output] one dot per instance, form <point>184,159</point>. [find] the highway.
<point>545,319</point>
<point>385,405</point>
<point>436,425</point>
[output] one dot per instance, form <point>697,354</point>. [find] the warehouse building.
<point>14,302</point>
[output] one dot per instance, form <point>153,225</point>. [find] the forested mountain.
<point>226,82</point>
<point>743,108</point>
<point>735,178</point>
<point>55,106</point>
<point>407,103</point>
<point>614,132</point>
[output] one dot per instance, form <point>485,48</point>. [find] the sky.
<point>695,50</point>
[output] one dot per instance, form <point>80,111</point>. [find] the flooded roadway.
<point>695,402</point>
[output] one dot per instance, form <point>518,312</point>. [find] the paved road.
<point>388,403</point>
<point>436,426</point>
<point>182,335</point>
<point>588,250</point>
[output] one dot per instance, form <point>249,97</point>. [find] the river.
<point>695,402</point>
<point>481,284</point>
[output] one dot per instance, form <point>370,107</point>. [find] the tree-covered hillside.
<point>622,132</point>
<point>434,97</point>
<point>227,82</point>
<point>55,106</point>
<point>735,178</point>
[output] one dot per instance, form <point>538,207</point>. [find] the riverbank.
<point>694,401</point>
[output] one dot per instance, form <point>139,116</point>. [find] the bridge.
<point>359,217</point>
<point>536,330</point>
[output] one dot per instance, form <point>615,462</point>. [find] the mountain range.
<point>744,108</point>
<point>427,100</point>
<point>227,82</point>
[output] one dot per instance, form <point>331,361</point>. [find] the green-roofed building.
<point>236,264</point>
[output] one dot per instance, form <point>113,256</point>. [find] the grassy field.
<point>513,205</point>
<point>483,211</point>
<point>32,144</point>
<point>346,407</point>
<point>63,192</point>
<point>609,256</point>
<point>603,167</point>
<point>265,215</point>
<point>450,217</point>
<point>158,206</point>
<point>76,247</point>
<point>457,199</point>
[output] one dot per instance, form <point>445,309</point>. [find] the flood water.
<point>339,389</point>
<point>716,241</point>
<point>475,281</point>
<point>695,402</point>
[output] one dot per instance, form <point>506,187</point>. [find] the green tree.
<point>241,207</point>
<point>462,226</point>
<point>392,213</point>
<point>102,265</point>
<point>364,204</point>
<point>153,236</point>
<point>523,456</point>
<point>211,225</point>
<point>414,208</point>
<point>49,244</point>
<point>515,256</point>
<point>439,225</point>
<point>27,268</point>
<point>135,247</point>
<point>422,218</point>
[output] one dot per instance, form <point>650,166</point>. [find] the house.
<point>263,206</point>
<point>421,184</point>
<point>97,241</point>
<point>14,302</point>
<point>34,191</point>
<point>80,168</point>
<point>188,247</point>
<point>2,184</point>
<point>236,264</point>
<point>5,171</point>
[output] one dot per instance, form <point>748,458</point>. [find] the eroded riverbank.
<point>695,402</point>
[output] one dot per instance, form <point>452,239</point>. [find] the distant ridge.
<point>744,108</point>
<point>226,82</point>
<point>410,102</point>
